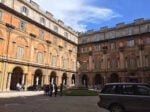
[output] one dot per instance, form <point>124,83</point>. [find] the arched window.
<point>24,10</point>
<point>66,34</point>
<point>56,29</point>
<point>42,21</point>
<point>113,63</point>
<point>132,63</point>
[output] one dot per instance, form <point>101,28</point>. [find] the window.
<point>109,89</point>
<point>39,57</point>
<point>56,29</point>
<point>132,63</point>
<point>65,63</point>
<point>129,31</point>
<point>143,90</point>
<point>148,28</point>
<point>128,89</point>
<point>130,43</point>
<point>113,45</point>
<point>84,66</point>
<point>148,40</point>
<point>54,39</point>
<point>22,25</point>
<point>97,47</point>
<point>113,63</point>
<point>97,65</point>
<point>19,52</point>
<point>1,15</point>
<point>65,44</point>
<point>84,49</point>
<point>24,10</point>
<point>66,34</point>
<point>54,60</point>
<point>75,49</point>
<point>42,21</point>
<point>41,35</point>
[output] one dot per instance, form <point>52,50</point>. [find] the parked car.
<point>121,97</point>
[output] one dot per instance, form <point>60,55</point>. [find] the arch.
<point>53,77</point>
<point>54,53</point>
<point>21,40</point>
<point>64,79</point>
<point>84,80</point>
<point>98,79</point>
<point>16,77</point>
<point>1,34</point>
<point>41,47</point>
<point>38,78</point>
<point>73,79</point>
<point>114,78</point>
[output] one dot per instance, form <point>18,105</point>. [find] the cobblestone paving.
<point>51,104</point>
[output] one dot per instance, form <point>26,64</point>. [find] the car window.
<point>128,89</point>
<point>109,89</point>
<point>118,89</point>
<point>143,90</point>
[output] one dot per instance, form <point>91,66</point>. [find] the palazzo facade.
<point>35,48</point>
<point>118,54</point>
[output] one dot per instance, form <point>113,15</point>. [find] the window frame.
<point>41,34</point>
<point>1,15</point>
<point>24,10</point>
<point>22,25</point>
<point>131,43</point>
<point>42,20</point>
<point>20,52</point>
<point>40,57</point>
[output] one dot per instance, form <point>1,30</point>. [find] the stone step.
<point>11,94</point>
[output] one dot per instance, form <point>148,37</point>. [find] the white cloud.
<point>77,13</point>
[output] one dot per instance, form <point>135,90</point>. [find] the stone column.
<point>32,79</point>
<point>43,80</point>
<point>23,79</point>
<point>9,81</point>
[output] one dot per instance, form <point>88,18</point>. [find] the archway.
<point>16,77</point>
<point>98,79</point>
<point>64,79</point>
<point>73,79</point>
<point>38,78</point>
<point>114,78</point>
<point>84,80</point>
<point>53,77</point>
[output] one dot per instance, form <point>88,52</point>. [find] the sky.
<point>84,15</point>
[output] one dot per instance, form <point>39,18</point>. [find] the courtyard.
<point>43,103</point>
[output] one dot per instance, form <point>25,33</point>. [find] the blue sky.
<point>84,15</point>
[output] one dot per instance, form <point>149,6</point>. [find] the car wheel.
<point>116,108</point>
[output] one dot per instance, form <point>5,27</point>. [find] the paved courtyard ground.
<point>51,104</point>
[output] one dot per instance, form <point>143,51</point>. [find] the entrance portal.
<point>37,78</point>
<point>73,79</point>
<point>53,77</point>
<point>114,78</point>
<point>85,80</point>
<point>16,77</point>
<point>64,79</point>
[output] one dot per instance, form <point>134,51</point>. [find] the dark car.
<point>121,97</point>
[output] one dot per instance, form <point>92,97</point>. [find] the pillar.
<point>8,81</point>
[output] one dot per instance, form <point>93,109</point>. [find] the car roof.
<point>126,83</point>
